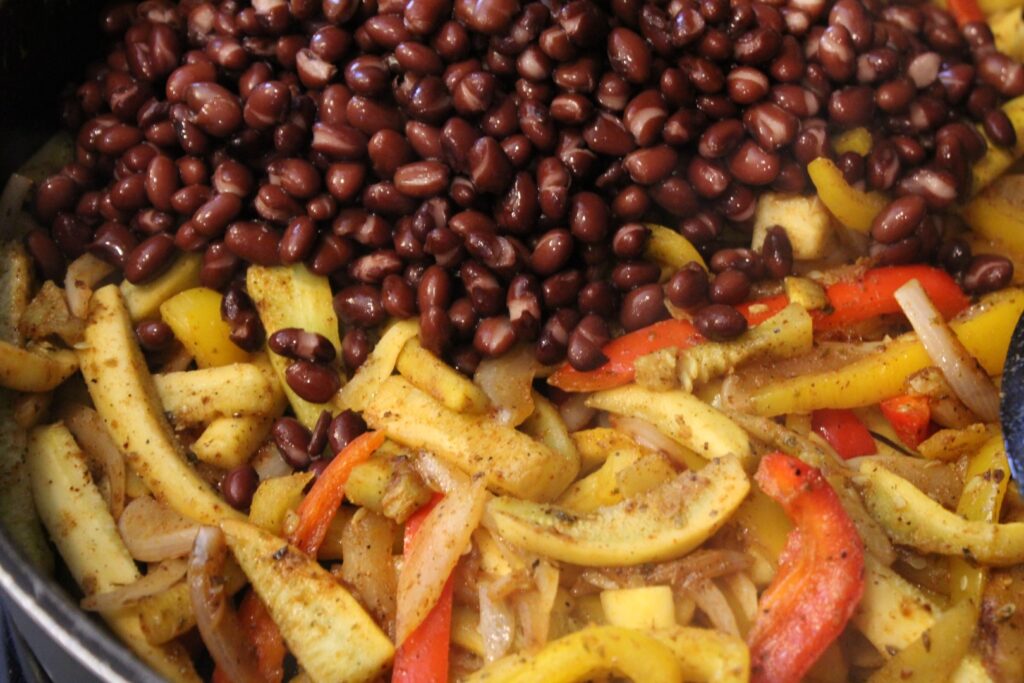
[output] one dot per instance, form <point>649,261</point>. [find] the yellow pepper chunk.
<point>852,207</point>
<point>194,317</point>
<point>583,654</point>
<point>143,301</point>
<point>670,249</point>
<point>854,140</point>
<point>881,375</point>
<point>998,159</point>
<point>996,213</point>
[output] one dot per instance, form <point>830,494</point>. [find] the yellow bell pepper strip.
<point>879,376</point>
<point>939,651</point>
<point>194,317</point>
<point>998,159</point>
<point>910,417</point>
<point>854,140</point>
<point>670,249</point>
<point>996,214</point>
<point>820,578</point>
<point>582,655</point>
<point>850,302</point>
<point>423,656</point>
<point>853,208</point>
<point>320,505</point>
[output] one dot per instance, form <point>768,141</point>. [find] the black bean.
<point>360,305</point>
<point>318,435</point>
<point>239,485</point>
<point>777,252</point>
<point>898,219</point>
<point>642,307</point>
<point>344,429</point>
<point>299,344</point>
<point>586,341</point>
<point>313,382</point>
<point>292,440</point>
<point>355,347</point>
<point>987,273</point>
<point>720,322</point>
<point>729,287</point>
<point>1000,129</point>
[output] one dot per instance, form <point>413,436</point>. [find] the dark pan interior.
<point>45,46</point>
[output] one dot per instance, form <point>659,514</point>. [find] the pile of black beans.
<point>487,165</point>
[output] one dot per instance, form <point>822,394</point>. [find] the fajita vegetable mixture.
<point>504,341</point>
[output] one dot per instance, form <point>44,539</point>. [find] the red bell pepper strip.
<point>910,417</point>
<point>850,302</point>
<point>844,431</point>
<point>820,578</point>
<point>423,657</point>
<point>320,505</point>
<point>872,295</point>
<point>260,630</point>
<point>966,12</point>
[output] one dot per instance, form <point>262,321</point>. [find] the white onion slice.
<point>160,578</point>
<point>508,383</point>
<point>967,379</point>
<point>268,462</point>
<point>497,624</point>
<point>153,532</point>
<point>84,273</point>
<point>575,412</point>
<point>438,474</point>
<point>217,622</point>
<point>87,427</point>
<point>649,436</point>
<point>439,543</point>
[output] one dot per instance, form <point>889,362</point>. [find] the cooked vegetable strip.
<point>323,500</point>
<point>292,296</point>
<point>428,373</point>
<point>893,612</point>
<point>442,538</point>
<point>995,213</point>
<point>331,636</point>
<point>200,396</point>
<point>681,416</point>
<point>998,159</point>
<point>38,368</point>
<point>423,657</point>
<point>144,301</point>
<point>910,417</point>
<point>167,615</point>
<point>80,525</point>
<point>786,334</point>
<point>367,381</point>
<point>912,518</point>
<point>661,524</point>
<point>194,316</point>
<point>853,208</point>
<point>215,617</point>
<point>820,578</point>
<point>125,397</point>
<point>511,461</point>
<point>260,630</point>
<point>707,655</point>
<point>581,655</point>
<point>844,432</point>
<point>934,655</point>
<point>671,250</point>
<point>969,381</point>
<point>881,375</point>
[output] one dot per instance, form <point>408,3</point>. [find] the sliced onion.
<point>508,382</point>
<point>439,543</point>
<point>91,434</point>
<point>534,606</point>
<point>268,462</point>
<point>575,412</point>
<point>84,273</point>
<point>967,379</point>
<point>439,475</point>
<point>217,622</point>
<point>713,603</point>
<point>154,532</point>
<point>157,580</point>
<point>369,567</point>
<point>13,198</point>
<point>649,436</point>
<point>497,624</point>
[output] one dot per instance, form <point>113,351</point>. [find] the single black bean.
<point>318,435</point>
<point>720,322</point>
<point>299,344</point>
<point>239,485</point>
<point>729,287</point>
<point>345,427</point>
<point>987,273</point>
<point>313,382</point>
<point>586,341</point>
<point>642,307</point>
<point>292,440</point>
<point>154,335</point>
<point>777,252</point>
<point>355,347</point>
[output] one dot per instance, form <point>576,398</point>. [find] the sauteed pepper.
<point>849,303</point>
<point>820,578</point>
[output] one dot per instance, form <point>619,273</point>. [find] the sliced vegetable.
<point>38,368</point>
<point>144,301</point>
<point>153,532</point>
<point>938,651</point>
<point>909,416</point>
<point>881,375</point>
<point>893,612</point>
<point>971,384</point>
<point>215,616</point>
<point>508,383</point>
<point>323,500</point>
<point>911,518</point>
<point>965,11</point>
<point>706,655</point>
<point>844,432</point>
<point>80,525</point>
<point>428,373</point>
<point>996,212</point>
<point>820,578</point>
<point>510,460</point>
<point>642,608</point>
<point>805,220</point>
<point>330,634</point>
<point>122,389</point>
<point>260,630</point>
<point>585,654</point>
<point>443,536</point>
<point>662,524</point>
<point>201,396</point>
<point>423,656</point>
<point>671,250</point>
<point>194,317</point>
<point>853,208</point>
<point>681,416</point>
<point>998,159</point>
<point>18,513</point>
<point>378,366</point>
